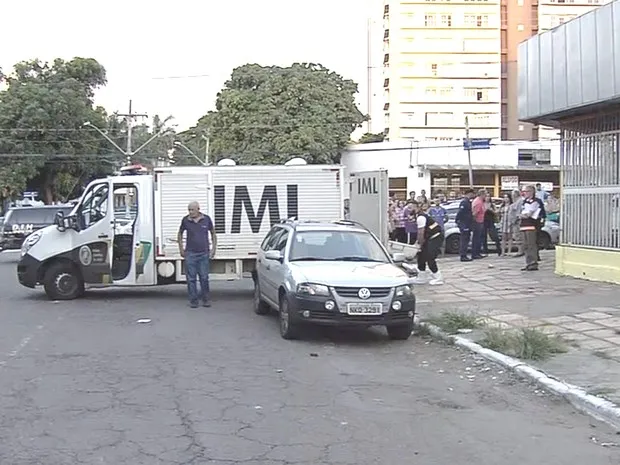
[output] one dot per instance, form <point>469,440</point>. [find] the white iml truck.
<point>123,231</point>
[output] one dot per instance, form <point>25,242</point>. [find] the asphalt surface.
<point>85,383</point>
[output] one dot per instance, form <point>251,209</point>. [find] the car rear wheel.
<point>453,244</point>
<point>400,332</point>
<point>544,241</point>
<point>289,328</point>
<point>62,281</point>
<point>260,306</point>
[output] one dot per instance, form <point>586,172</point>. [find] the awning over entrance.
<point>572,69</point>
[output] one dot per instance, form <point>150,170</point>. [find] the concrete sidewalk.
<point>585,314</point>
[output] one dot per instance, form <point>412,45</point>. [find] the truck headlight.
<point>404,291</point>
<point>313,289</point>
<point>30,240</point>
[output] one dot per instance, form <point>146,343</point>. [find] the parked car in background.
<point>549,237</point>
<point>20,222</point>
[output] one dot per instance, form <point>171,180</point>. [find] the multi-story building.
<point>442,65</point>
<point>448,61</point>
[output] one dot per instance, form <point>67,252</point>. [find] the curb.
<point>601,409</point>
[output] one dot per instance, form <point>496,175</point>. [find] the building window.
<point>445,92</point>
<point>408,118</point>
<point>479,119</point>
<point>446,20</point>
<point>534,156</point>
<point>479,95</point>
<point>430,20</point>
<point>477,20</point>
<point>438,119</point>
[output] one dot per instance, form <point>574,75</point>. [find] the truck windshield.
<point>336,246</point>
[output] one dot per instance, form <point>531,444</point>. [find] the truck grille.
<point>375,292</point>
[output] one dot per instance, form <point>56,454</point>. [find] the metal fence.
<point>590,154</point>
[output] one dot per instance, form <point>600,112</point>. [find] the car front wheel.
<point>289,328</point>
<point>400,332</point>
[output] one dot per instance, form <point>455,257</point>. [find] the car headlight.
<point>404,291</point>
<point>313,289</point>
<point>30,240</point>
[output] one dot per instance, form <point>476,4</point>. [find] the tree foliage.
<point>370,138</point>
<point>271,114</point>
<point>42,113</point>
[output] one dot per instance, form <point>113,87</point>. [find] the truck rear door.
<point>368,201</point>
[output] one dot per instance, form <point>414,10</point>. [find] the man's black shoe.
<point>466,259</point>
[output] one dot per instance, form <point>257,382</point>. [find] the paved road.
<point>84,383</point>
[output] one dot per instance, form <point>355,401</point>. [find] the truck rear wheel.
<point>62,281</point>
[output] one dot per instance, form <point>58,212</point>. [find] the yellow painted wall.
<point>588,263</point>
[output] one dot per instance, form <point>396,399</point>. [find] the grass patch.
<point>423,331</point>
<point>525,344</point>
<point>451,322</point>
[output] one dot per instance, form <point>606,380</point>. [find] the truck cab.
<point>107,239</point>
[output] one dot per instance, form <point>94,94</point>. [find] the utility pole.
<point>468,146</point>
<point>369,72</point>
<point>207,139</point>
<point>129,118</point>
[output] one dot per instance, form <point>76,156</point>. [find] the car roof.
<point>336,226</point>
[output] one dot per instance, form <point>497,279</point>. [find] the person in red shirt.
<point>478,209</point>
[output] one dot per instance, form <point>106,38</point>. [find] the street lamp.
<point>188,150</point>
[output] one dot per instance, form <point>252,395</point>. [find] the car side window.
<point>280,244</point>
<point>272,239</point>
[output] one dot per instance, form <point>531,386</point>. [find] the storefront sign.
<point>510,183</point>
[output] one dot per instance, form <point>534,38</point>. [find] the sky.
<point>172,58</point>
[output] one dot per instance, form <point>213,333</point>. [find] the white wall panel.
<point>570,67</point>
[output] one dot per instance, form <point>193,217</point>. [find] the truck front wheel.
<point>62,281</point>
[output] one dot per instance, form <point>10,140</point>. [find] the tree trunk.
<point>47,189</point>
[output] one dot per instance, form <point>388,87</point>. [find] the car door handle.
<point>102,236</point>
<point>268,267</point>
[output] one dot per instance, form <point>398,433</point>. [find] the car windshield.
<point>336,246</point>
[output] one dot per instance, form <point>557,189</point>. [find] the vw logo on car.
<point>364,293</point>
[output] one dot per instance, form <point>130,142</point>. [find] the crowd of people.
<point>420,221</point>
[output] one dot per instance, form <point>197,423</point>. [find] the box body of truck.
<point>244,202</point>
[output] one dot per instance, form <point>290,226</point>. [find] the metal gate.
<point>590,158</point>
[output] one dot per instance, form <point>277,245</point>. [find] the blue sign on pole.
<point>476,144</point>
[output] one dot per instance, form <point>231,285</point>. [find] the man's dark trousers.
<point>476,241</point>
<point>465,234</point>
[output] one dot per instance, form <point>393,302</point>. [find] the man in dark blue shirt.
<point>464,221</point>
<point>197,252</point>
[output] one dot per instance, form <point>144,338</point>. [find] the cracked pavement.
<point>84,383</point>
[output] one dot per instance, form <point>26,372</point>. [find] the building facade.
<point>570,79</point>
<point>446,61</point>
<point>437,169</point>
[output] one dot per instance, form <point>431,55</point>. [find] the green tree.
<point>269,114</point>
<point>369,138</point>
<point>42,113</point>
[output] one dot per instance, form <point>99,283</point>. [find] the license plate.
<point>364,309</point>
